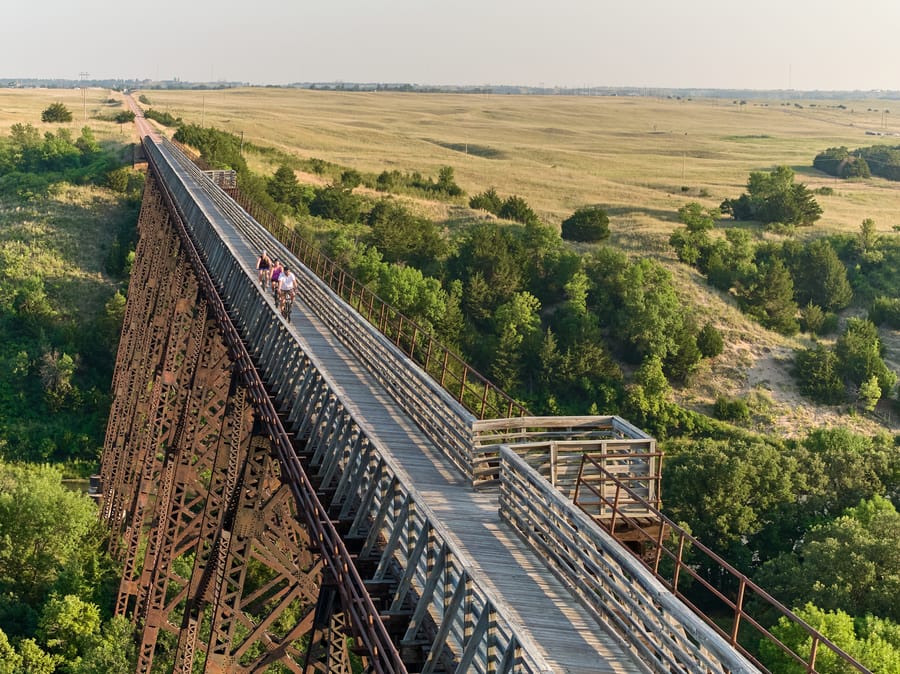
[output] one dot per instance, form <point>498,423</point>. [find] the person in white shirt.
<point>286,283</point>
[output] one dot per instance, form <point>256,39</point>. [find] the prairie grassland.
<point>640,158</point>
<point>25,106</point>
<point>66,237</point>
<point>631,155</point>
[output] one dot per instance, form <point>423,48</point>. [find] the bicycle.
<point>286,303</point>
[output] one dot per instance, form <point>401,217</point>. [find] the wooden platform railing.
<point>559,442</point>
<point>673,561</point>
<point>607,580</point>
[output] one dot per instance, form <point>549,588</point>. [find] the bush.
<point>488,201</point>
<point>516,208</point>
<point>164,118</point>
<point>731,409</point>
<point>124,117</point>
<point>885,311</point>
<point>586,224</point>
<point>56,112</point>
<point>709,341</point>
<point>351,178</point>
<point>817,375</point>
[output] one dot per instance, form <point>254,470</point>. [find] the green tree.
<point>336,203</point>
<point>44,528</point>
<point>488,262</point>
<point>10,661</point>
<point>590,223</point>
<point>845,468</point>
<point>869,393</point>
<point>87,143</point>
<point>56,112</point>
<point>516,208</point>
<point>446,182</point>
<point>488,201</point>
<point>709,341</point>
<point>67,626</point>
<point>872,641</point>
<point>110,652</point>
<point>351,178</point>
<point>850,564</point>
<point>816,371</point>
<point>775,197</point>
<point>416,296</point>
<point>650,313</point>
<point>820,277</point>
<point>698,219</point>
<point>859,354</point>
<point>770,298</point>
<point>869,242</point>
<point>401,236</point>
<point>284,187</point>
<point>517,326</point>
<point>727,491</point>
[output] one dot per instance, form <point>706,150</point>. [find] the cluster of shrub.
<point>30,161</point>
<point>864,162</point>
<point>397,182</point>
<point>788,286</point>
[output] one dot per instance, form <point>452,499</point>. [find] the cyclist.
<point>263,265</point>
<point>286,283</point>
<point>275,275</point>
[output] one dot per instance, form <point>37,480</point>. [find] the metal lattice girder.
<point>190,486</point>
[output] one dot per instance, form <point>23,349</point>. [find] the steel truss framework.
<point>219,569</point>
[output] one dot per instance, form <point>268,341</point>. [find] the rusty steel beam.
<point>213,547</point>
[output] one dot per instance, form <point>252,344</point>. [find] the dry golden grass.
<point>631,155</point>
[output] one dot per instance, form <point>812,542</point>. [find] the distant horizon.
<point>6,82</point>
<point>700,44</point>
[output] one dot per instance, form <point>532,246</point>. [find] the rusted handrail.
<point>746,586</point>
<point>474,391</point>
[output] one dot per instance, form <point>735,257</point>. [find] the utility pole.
<point>83,77</point>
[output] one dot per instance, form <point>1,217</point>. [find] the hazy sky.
<point>759,44</point>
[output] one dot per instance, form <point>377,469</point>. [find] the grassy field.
<point>67,236</point>
<point>640,158</point>
<point>633,156</point>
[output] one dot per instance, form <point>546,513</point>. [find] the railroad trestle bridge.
<point>301,496</point>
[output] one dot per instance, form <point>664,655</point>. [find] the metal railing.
<point>364,486</point>
<point>476,392</point>
<point>667,559</point>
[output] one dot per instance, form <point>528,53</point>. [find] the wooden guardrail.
<point>607,580</point>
